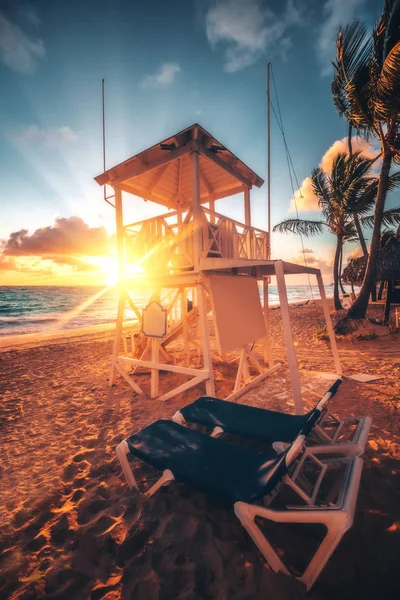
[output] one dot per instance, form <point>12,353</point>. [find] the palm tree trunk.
<point>359,308</point>
<point>355,215</point>
<point>336,299</point>
<point>360,234</point>
<point>340,271</point>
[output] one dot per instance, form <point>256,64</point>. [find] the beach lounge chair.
<point>244,478</point>
<point>330,435</point>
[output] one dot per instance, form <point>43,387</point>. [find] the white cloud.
<point>337,13</point>
<point>304,198</point>
<point>358,145</point>
<point>247,30</point>
<point>51,137</point>
<point>164,77</point>
<point>322,260</point>
<point>18,50</point>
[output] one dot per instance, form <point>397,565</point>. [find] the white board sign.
<point>154,320</point>
<point>237,310</point>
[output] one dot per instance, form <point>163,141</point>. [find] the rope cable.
<point>291,171</point>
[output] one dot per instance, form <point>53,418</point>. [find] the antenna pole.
<point>106,198</point>
<point>104,127</point>
<point>269,157</point>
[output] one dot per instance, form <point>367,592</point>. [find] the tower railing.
<point>165,243</point>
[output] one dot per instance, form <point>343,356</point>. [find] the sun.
<point>110,268</point>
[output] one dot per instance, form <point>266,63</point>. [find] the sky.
<point>166,65</point>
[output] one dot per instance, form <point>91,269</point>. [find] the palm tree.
<point>349,189</point>
<point>357,224</point>
<point>366,91</point>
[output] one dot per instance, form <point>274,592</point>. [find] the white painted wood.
<point>287,330</point>
<point>134,307</point>
<point>162,366</point>
<point>237,394</point>
<point>185,325</point>
<point>197,216</point>
<point>125,375</point>
<point>155,346</point>
<point>329,327</point>
<point>154,320</point>
<point>117,336</point>
<point>120,231</point>
<point>247,209</point>
<point>267,345</point>
<point>205,340</point>
<point>182,388</point>
<point>236,310</point>
<point>239,372</point>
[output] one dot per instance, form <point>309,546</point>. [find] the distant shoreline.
<point>22,341</point>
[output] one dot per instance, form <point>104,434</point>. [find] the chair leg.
<point>217,432</point>
<point>336,529</point>
<point>336,521</point>
<point>166,478</point>
<point>246,518</point>
<point>122,450</point>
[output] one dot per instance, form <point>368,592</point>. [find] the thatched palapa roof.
<point>387,266</point>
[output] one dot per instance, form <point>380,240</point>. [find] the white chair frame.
<point>355,446</point>
<point>337,517</point>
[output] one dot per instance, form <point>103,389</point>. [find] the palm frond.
<point>389,218</point>
<point>387,98</point>
<point>300,227</point>
<point>321,187</point>
<point>351,84</point>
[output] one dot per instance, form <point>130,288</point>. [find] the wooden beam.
<point>178,191</point>
<point>125,375</point>
<point>136,167</point>
<point>142,192</point>
<point>287,330</point>
<point>247,211</point>
<point>197,222</point>
<point>182,388</point>
<point>155,353</point>
<point>206,183</point>
<point>117,336</point>
<point>158,176</point>
<point>328,322</point>
<point>221,163</point>
<point>120,231</point>
<point>161,366</point>
<point>253,382</point>
<point>205,340</point>
<point>267,345</point>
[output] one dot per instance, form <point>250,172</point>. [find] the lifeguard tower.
<point>196,261</point>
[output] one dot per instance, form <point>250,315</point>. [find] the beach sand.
<point>70,528</point>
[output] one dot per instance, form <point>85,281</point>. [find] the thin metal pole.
<point>104,130</point>
<point>269,157</point>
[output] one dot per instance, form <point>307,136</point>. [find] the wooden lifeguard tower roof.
<point>163,174</point>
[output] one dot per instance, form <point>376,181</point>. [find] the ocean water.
<point>55,308</point>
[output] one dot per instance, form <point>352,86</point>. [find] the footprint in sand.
<point>87,509</point>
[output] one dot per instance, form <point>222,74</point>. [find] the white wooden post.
<point>155,354</point>
<point>121,269</point>
<point>211,206</point>
<point>197,223</point>
<point>205,341</point>
<point>247,211</point>
<point>118,330</point>
<point>328,322</point>
<point>120,231</point>
<point>185,326</point>
<point>287,330</point>
<point>267,345</point>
